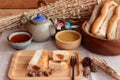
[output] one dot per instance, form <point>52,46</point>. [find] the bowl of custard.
<point>20,39</point>
<point>68,39</point>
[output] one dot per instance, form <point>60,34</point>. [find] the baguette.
<point>113,31</point>
<point>93,17</point>
<point>99,27</point>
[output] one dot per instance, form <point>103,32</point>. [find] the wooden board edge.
<point>12,61</point>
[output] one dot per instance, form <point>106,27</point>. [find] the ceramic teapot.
<point>40,27</point>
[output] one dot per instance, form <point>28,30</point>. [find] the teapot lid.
<point>39,18</point>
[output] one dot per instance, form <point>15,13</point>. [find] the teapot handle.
<point>52,30</point>
<point>53,27</point>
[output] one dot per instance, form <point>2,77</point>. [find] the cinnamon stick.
<point>105,67</point>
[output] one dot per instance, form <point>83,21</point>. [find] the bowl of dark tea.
<point>20,39</point>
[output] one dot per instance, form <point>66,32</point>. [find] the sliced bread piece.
<point>39,60</point>
<point>59,55</point>
<point>58,65</point>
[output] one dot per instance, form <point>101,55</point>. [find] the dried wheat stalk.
<point>60,9</point>
<point>105,67</point>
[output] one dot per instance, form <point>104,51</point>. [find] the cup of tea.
<point>20,39</point>
<point>68,39</point>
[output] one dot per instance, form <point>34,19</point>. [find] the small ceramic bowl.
<point>20,39</point>
<point>68,39</point>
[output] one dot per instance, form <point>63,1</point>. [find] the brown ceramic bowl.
<point>100,46</point>
<point>68,39</point>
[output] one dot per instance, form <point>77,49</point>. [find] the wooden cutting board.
<point>18,68</point>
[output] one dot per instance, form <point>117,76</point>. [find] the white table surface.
<point>6,52</point>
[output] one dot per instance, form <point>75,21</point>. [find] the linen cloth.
<point>6,52</point>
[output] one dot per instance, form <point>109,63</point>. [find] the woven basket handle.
<point>42,3</point>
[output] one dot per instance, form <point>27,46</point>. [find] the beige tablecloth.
<point>6,52</point>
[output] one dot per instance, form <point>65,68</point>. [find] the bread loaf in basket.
<point>101,31</point>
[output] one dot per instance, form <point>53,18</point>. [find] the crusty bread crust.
<point>93,17</point>
<point>113,24</point>
<point>97,25</point>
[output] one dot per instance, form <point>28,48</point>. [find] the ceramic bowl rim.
<point>73,31</point>
<point>31,37</point>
